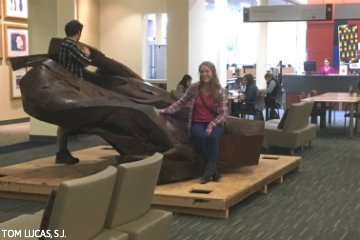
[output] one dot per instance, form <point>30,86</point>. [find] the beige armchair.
<point>79,210</point>
<point>130,210</point>
<point>113,204</point>
<point>293,130</point>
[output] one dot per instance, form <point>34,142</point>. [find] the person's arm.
<point>222,112</point>
<point>86,50</point>
<point>180,88</point>
<point>79,56</point>
<point>331,70</point>
<point>271,87</point>
<point>176,106</point>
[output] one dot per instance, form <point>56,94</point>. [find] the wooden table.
<point>231,99</point>
<point>351,99</point>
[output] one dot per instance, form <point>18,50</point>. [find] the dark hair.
<point>249,78</point>
<point>184,80</point>
<point>250,81</point>
<point>214,82</point>
<point>268,75</point>
<point>73,27</point>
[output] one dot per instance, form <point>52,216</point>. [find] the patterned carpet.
<point>322,201</point>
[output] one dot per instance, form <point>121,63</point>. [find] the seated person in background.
<point>251,92</point>
<point>327,69</point>
<point>273,88</point>
<point>184,83</point>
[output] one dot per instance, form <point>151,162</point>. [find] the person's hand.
<point>208,131</point>
<point>162,111</point>
<point>86,50</point>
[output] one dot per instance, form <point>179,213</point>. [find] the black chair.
<point>251,109</point>
<point>328,106</point>
<point>317,111</point>
<point>272,110</point>
<point>272,106</point>
<point>347,115</point>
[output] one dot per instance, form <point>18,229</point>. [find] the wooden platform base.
<point>35,179</point>
<point>214,199</point>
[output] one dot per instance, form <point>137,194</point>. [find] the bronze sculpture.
<point>116,104</point>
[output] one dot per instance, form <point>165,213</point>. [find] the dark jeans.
<point>270,104</point>
<point>207,146</point>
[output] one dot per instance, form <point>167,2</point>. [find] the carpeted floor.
<point>319,202</point>
<point>322,201</point>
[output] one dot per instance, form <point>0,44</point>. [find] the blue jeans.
<point>207,146</point>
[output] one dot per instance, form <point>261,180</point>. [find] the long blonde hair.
<point>214,82</point>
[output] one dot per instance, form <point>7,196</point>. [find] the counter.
<point>295,84</point>
<point>321,83</point>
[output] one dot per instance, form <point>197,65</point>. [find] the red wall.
<point>319,42</point>
<point>320,35</point>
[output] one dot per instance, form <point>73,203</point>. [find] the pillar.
<point>177,41</point>
<point>47,19</point>
<point>261,62</point>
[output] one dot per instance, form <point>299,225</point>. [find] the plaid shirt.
<point>72,58</point>
<point>221,106</point>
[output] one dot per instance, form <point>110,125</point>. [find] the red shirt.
<point>201,112</point>
<point>221,105</point>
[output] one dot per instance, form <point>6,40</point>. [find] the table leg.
<point>329,112</point>
<point>323,115</point>
<point>357,118</point>
<point>351,121</point>
<point>230,101</point>
<point>267,113</point>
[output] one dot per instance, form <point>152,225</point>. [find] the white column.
<point>207,37</point>
<point>177,41</point>
<point>46,20</point>
<point>220,31</point>
<point>197,37</point>
<point>261,62</point>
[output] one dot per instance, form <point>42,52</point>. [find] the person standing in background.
<point>74,57</point>
<point>273,88</point>
<point>327,68</point>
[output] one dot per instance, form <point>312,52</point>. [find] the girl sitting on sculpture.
<point>207,115</point>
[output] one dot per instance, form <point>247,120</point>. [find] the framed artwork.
<point>343,69</point>
<point>348,43</point>
<point>15,77</point>
<point>16,9</point>
<point>16,40</point>
<point>1,39</point>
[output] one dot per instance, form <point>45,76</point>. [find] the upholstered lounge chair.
<point>79,208</point>
<point>130,208</point>
<point>293,130</point>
